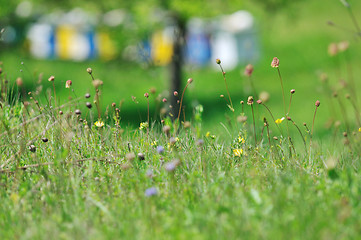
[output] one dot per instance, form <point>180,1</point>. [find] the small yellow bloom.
<point>99,123</point>
<point>241,140</point>
<point>208,134</point>
<point>237,152</point>
<point>359,129</point>
<point>154,143</point>
<point>278,121</point>
<point>143,125</point>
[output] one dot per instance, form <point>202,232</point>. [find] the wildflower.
<point>250,100</point>
<point>175,93</point>
<point>237,152</point>
<point>68,83</point>
<point>241,140</point>
<point>359,129</point>
<point>51,79</point>
<point>241,119</point>
<point>88,105</point>
<point>89,70</point>
<point>44,140</point>
<point>317,103</point>
<point>343,46</point>
<point>143,125</point>
<point>279,121</point>
<point>190,80</point>
<point>150,192</point>
<point>149,173</point>
<point>97,83</point>
<point>293,91</point>
<point>141,156</point>
<point>166,129</point>
<point>164,100</point>
<point>248,70</point>
<point>200,142</point>
<point>32,148</point>
<point>171,166</point>
<point>275,62</point>
<point>332,49</point>
<point>99,123</point>
<point>218,61</point>
<point>19,82</point>
<point>154,143</point>
<point>208,134</point>
<point>146,95</point>
<point>160,149</point>
<point>87,95</point>
<point>77,112</point>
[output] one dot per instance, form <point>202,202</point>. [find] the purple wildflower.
<point>150,192</point>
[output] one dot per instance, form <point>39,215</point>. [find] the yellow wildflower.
<point>143,125</point>
<point>208,134</point>
<point>359,129</point>
<point>237,152</point>
<point>99,123</point>
<point>241,140</point>
<point>278,121</point>
<point>154,143</point>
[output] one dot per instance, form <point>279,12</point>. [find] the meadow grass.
<point>68,173</point>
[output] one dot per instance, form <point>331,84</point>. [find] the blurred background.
<point>154,46</point>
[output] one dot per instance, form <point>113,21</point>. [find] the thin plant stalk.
<point>190,80</point>
<point>254,127</point>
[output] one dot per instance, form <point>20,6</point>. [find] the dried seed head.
<point>250,100</point>
<point>60,112</point>
<point>344,134</point>
<point>141,156</point>
<point>248,70</point>
<point>51,79</point>
<point>293,91</point>
<point>32,148</point>
<point>89,70</point>
<point>289,118</point>
<point>332,49</point>
<point>275,62</point>
<point>275,138</point>
<point>88,105</point>
<point>317,103</point>
<point>218,61</point>
<point>77,112</point>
